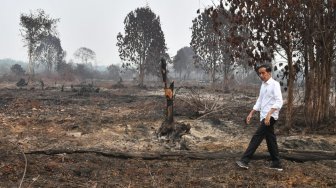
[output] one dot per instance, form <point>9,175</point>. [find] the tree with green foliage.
<point>17,70</point>
<point>34,27</point>
<point>83,71</point>
<point>143,43</point>
<point>183,61</point>
<point>49,52</point>
<point>65,69</point>
<point>114,72</point>
<point>86,56</point>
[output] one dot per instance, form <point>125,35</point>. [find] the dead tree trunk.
<point>170,103</point>
<point>169,92</point>
<point>169,128</point>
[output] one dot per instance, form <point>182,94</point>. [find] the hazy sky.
<point>95,24</point>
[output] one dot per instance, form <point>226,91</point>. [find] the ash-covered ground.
<point>107,138</point>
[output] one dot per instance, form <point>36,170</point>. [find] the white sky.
<point>95,24</point>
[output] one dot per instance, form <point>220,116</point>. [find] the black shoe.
<point>276,167</point>
<point>242,164</point>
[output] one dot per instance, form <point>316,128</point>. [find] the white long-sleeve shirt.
<point>269,97</point>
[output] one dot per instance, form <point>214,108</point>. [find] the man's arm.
<point>278,97</point>
<point>277,105</point>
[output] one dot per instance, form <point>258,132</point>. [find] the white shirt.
<point>269,97</point>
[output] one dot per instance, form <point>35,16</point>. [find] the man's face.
<point>263,74</point>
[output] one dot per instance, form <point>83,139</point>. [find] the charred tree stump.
<point>174,131</point>
<point>170,103</point>
<point>21,83</point>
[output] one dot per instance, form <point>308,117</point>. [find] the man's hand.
<point>248,119</point>
<point>268,116</point>
<point>268,119</point>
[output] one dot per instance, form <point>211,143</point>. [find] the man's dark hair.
<point>266,66</point>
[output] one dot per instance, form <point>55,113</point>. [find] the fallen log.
<point>292,155</point>
<point>307,155</point>
<point>299,155</point>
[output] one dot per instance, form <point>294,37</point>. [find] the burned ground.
<point>108,139</point>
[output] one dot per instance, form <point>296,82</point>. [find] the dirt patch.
<point>125,120</point>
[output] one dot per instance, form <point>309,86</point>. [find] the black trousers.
<point>262,132</point>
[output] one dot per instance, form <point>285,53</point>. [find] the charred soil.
<point>107,138</point>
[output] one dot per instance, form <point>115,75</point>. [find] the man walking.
<point>269,104</point>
